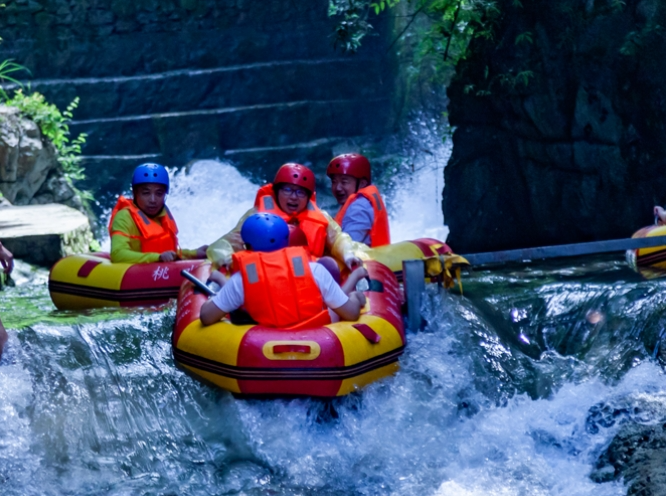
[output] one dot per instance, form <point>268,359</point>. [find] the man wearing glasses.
<point>291,196</point>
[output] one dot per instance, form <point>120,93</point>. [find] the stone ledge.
<point>43,234</point>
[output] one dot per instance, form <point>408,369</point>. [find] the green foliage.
<point>354,25</point>
<point>525,37</point>
<point>637,41</point>
<point>380,6</point>
<point>453,24</point>
<point>54,124</point>
<point>8,67</point>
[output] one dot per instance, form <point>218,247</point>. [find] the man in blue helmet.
<point>278,285</point>
<point>142,229</point>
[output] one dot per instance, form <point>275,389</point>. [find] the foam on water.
<point>409,435</point>
<point>99,407</point>
<point>415,209</point>
<point>208,200</point>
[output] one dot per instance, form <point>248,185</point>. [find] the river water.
<point>500,394</point>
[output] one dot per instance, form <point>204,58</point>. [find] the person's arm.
<point>340,245</point>
<point>358,220</point>
<point>353,279</point>
<point>221,250</point>
<point>7,259</point>
<point>660,213</point>
<point>199,253</point>
<point>347,307</point>
<point>211,313</point>
<point>351,310</point>
<point>125,249</point>
<point>230,297</point>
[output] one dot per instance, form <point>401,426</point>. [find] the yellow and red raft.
<point>91,281</point>
<point>327,361</point>
<point>649,262</point>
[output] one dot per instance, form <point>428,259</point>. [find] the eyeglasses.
<point>289,191</point>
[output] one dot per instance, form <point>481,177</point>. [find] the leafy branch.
<point>54,124</point>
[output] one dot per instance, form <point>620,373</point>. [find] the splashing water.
<point>208,200</point>
<point>415,208</point>
<point>503,393</point>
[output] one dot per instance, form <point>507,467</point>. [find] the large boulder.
<point>26,157</point>
<point>30,173</point>
<point>43,234</point>
<point>560,120</point>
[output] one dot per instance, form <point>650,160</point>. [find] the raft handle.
<point>87,268</point>
<point>368,333</point>
<point>292,348</point>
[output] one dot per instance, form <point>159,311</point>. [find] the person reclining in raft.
<point>277,284</point>
<point>362,212</point>
<point>143,230</point>
<point>291,196</point>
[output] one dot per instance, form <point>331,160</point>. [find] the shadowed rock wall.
<point>560,122</point>
<point>175,80</point>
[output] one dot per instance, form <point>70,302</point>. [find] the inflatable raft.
<point>86,281</point>
<point>327,361</point>
<point>91,281</point>
<point>393,255</point>
<point>649,262</point>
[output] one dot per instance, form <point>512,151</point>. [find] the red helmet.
<point>296,174</point>
<point>352,164</point>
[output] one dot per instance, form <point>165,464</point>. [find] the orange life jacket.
<point>280,290</point>
<point>379,233</point>
<point>157,235</point>
<point>312,221</point>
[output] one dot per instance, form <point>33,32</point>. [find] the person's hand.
<point>168,256</point>
<point>360,297</point>
<point>7,259</point>
<point>218,277</point>
<point>357,274</point>
<point>352,262</point>
<point>201,251</point>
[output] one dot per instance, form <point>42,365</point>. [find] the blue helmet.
<point>151,173</point>
<point>265,232</point>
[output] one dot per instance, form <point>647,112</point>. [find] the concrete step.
<point>182,136</point>
<point>233,86</point>
<point>43,234</point>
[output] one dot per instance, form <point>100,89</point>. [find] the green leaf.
<point>525,37</point>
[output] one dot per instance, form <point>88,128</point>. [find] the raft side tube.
<point>325,361</point>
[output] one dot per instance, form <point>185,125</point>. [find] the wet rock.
<point>26,157</point>
<point>42,234</point>
<point>29,170</point>
<point>577,153</point>
<point>638,455</point>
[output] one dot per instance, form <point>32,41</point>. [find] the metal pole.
<point>197,283</point>
<point>414,281</point>
<point>570,250</point>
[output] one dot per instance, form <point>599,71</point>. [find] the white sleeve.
<point>231,296</point>
<point>331,291</point>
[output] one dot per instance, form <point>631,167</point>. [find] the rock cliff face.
<point>29,169</point>
<point>560,125</point>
